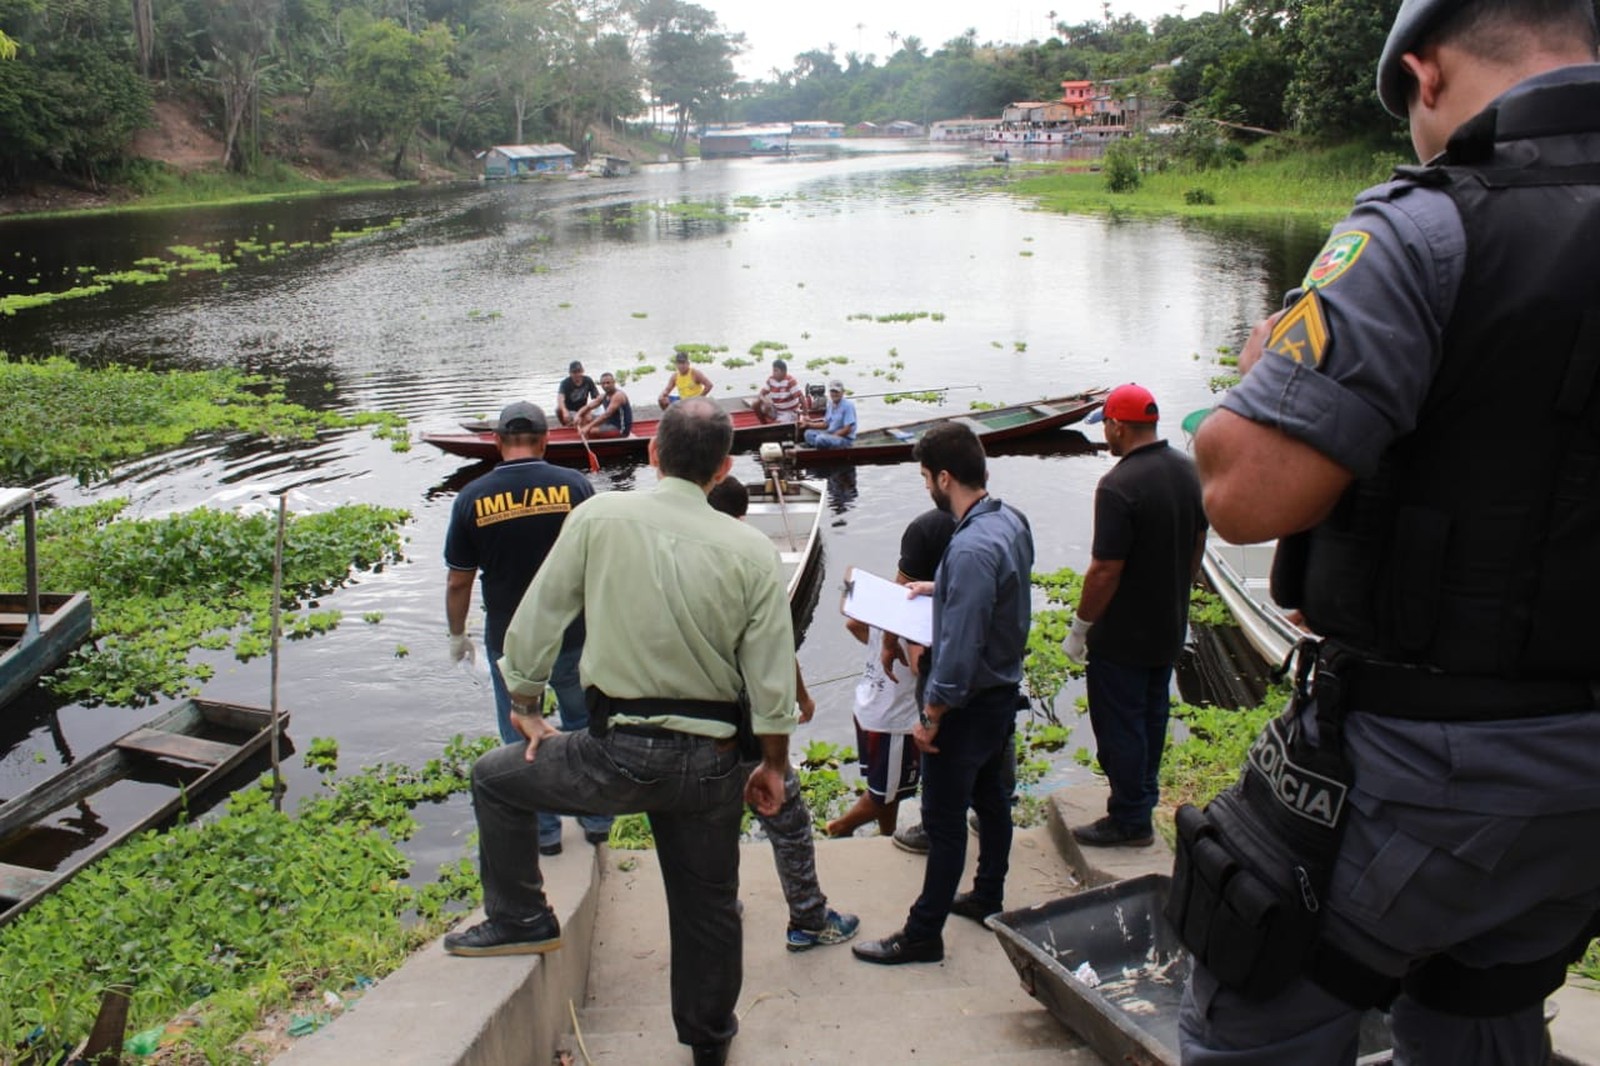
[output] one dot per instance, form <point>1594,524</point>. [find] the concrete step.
<point>823,1005</point>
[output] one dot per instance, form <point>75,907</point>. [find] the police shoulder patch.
<point>1337,256</point>
<point>1302,333</point>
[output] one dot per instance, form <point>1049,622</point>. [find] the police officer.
<point>1454,572</point>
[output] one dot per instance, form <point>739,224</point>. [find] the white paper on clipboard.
<point>871,599</point>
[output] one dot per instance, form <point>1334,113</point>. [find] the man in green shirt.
<point>684,610</point>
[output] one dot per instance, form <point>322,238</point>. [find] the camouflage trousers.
<point>794,853</point>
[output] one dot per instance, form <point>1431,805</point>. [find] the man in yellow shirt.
<point>687,380</point>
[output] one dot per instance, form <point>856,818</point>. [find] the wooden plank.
<point>177,746</point>
<point>20,882</point>
<point>82,778</point>
<point>1044,409</point>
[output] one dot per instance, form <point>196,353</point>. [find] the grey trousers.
<point>692,791</point>
<point>1412,882</point>
<point>794,852</point>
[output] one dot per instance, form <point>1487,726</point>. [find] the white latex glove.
<point>1076,646</point>
<point>461,649</point>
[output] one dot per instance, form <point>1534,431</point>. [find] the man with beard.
<point>981,616</point>
<point>1149,537</point>
<point>609,414</point>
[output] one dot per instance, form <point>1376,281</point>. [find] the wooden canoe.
<point>564,446</point>
<point>189,749</point>
<point>37,629</point>
<point>998,425</point>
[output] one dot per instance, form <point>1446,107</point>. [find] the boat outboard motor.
<point>816,397</point>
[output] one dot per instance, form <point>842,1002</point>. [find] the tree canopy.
<point>77,77</point>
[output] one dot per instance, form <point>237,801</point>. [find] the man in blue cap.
<point>1414,832</point>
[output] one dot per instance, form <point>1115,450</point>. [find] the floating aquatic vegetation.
<point>1025,254</point>
<point>163,587</point>
<point>700,211</point>
<point>641,314</point>
<point>700,353</point>
<point>11,304</point>
<point>1020,346</point>
<point>365,231</point>
<point>981,405</point>
<point>138,412</point>
<point>734,362</point>
<point>761,347</point>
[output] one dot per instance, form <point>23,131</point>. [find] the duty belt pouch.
<point>1252,867</point>
<point>749,746</point>
<point>599,705</point>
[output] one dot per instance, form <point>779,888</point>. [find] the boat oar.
<point>909,392</point>
<point>783,509</point>
<point>277,629</point>
<point>594,463</point>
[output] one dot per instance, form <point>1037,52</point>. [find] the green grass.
<point>160,188</point>
<point>1317,183</point>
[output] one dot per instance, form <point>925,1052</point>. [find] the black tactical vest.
<point>1475,547</point>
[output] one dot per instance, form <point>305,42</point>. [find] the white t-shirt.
<point>884,705</point>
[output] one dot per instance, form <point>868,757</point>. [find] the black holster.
<point>1252,868</point>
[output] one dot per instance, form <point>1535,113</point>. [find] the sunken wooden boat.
<point>564,445</point>
<point>1018,421</point>
<point>790,512</point>
<point>37,629</point>
<point>189,750</point>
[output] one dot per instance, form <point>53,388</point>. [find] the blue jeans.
<point>1128,709</point>
<point>569,700</point>
<point>816,438</point>
<point>693,790</point>
<point>970,770</point>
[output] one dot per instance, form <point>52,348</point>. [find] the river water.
<point>450,301</point>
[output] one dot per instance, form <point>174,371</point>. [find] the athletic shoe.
<point>597,836</point>
<point>548,850</point>
<point>967,905</point>
<point>1110,833</point>
<point>836,929</point>
<point>912,838</point>
<point>897,948</point>
<point>493,937</point>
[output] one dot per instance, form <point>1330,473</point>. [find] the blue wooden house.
<point>524,160</point>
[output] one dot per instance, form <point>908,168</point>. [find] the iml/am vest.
<point>1475,547</point>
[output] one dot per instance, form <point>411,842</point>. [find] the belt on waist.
<point>1414,692</point>
<point>714,710</point>
<point>653,732</point>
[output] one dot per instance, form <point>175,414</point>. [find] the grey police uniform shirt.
<point>1346,371</point>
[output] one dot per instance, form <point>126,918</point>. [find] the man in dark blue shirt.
<point>502,527</point>
<point>981,616</point>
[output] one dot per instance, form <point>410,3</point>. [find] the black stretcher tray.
<point>1131,1014</point>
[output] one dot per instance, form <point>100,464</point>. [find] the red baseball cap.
<point>1127,403</point>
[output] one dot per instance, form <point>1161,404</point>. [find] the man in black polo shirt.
<point>1149,535</point>
<point>502,526</point>
<point>575,390</point>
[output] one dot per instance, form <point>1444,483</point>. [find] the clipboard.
<point>878,602</point>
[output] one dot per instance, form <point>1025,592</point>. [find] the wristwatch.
<point>927,723</point>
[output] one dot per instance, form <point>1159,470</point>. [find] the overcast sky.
<point>778,30</point>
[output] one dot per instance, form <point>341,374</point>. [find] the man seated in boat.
<point>609,414</point>
<point>782,398</point>
<point>576,389</point>
<point>685,382</point>
<point>837,427</point>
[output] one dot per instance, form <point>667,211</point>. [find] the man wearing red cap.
<point>1149,535</point>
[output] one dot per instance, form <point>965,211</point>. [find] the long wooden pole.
<point>277,631</point>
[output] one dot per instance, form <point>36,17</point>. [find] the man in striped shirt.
<point>782,397</point>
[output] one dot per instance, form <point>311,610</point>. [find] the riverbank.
<point>1316,184</point>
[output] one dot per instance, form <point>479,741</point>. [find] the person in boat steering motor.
<point>1415,831</point>
<point>687,381</point>
<point>837,427</point>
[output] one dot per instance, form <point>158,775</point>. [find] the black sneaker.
<point>912,838</point>
<point>493,937</point>
<point>550,850</point>
<point>1109,833</point>
<point>977,908</point>
<point>597,836</point>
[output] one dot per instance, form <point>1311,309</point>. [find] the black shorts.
<point>891,764</point>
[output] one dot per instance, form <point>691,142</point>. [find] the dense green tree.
<point>690,66</point>
<point>390,80</point>
<point>1334,47</point>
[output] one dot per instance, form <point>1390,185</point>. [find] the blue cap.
<point>1414,19</point>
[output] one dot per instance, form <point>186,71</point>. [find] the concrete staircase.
<point>824,1006</point>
